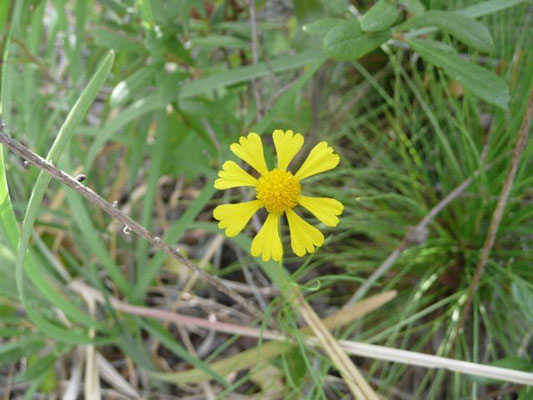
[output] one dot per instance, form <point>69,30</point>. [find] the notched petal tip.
<point>235,147</point>
<point>232,175</point>
<point>304,236</point>
<point>250,150</point>
<point>324,209</point>
<point>287,146</point>
<point>234,217</point>
<point>220,185</point>
<point>321,158</point>
<point>267,242</point>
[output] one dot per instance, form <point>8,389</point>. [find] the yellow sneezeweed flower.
<point>278,191</point>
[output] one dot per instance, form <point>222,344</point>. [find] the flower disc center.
<point>278,191</point>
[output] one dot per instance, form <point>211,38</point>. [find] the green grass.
<point>122,91</point>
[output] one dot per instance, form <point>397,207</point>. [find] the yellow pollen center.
<point>278,191</point>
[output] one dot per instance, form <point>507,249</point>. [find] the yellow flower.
<point>278,191</point>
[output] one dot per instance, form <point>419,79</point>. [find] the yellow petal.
<point>304,237</point>
<point>250,149</point>
<point>287,145</point>
<point>324,208</point>
<point>320,159</point>
<point>234,217</point>
<point>232,175</point>
<point>267,242</point>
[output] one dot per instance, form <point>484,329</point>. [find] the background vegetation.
<point>186,79</point>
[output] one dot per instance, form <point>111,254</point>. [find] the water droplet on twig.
<point>81,177</point>
<point>25,163</point>
<point>126,230</point>
<point>115,204</point>
<point>157,240</point>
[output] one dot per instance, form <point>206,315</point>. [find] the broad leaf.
<point>322,26</point>
<point>415,7</point>
<point>464,29</point>
<point>488,7</point>
<point>380,16</point>
<point>347,41</point>
<point>480,81</point>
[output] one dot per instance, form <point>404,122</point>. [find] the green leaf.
<point>295,367</point>
<point>11,230</point>
<point>523,297</point>
<point>282,104</point>
<point>335,7</point>
<point>380,16</point>
<point>37,368</point>
<point>15,350</point>
<point>248,73</point>
<point>195,87</point>
<point>489,7</point>
<point>347,41</point>
<point>4,14</point>
<point>480,81</point>
<point>214,41</point>
<point>125,88</point>
<point>464,29</point>
<point>415,7</point>
<point>322,26</point>
<point>157,149</point>
<point>116,40</point>
<point>74,118</point>
<point>7,215</point>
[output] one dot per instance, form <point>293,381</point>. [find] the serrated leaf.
<point>380,16</point>
<point>347,41</point>
<point>480,81</point>
<point>322,26</point>
<point>464,29</point>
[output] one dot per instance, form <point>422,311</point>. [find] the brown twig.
<point>115,212</point>
<point>173,317</point>
<point>498,212</point>
<point>341,317</point>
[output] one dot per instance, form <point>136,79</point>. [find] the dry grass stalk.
<point>353,378</point>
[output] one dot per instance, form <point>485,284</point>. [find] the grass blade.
<point>74,118</point>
